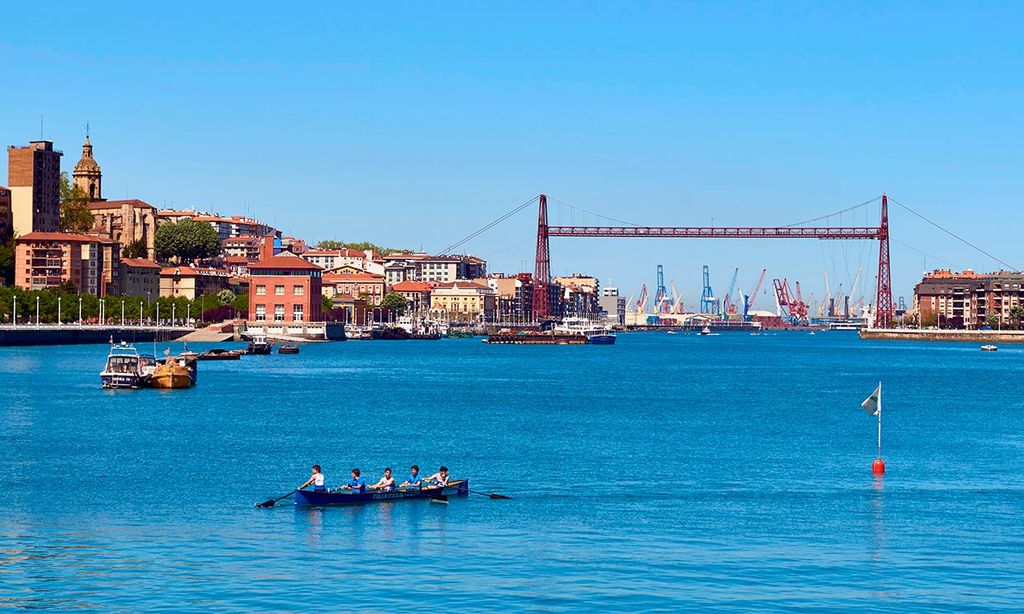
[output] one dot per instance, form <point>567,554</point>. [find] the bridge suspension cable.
<point>955,236</point>
<point>488,226</point>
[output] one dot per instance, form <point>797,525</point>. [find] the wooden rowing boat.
<point>458,488</point>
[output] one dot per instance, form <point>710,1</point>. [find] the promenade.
<point>73,334</point>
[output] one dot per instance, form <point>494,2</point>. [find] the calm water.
<point>666,472</point>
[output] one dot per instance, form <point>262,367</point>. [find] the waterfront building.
<point>33,177</point>
<point>354,308</point>
<point>191,282</point>
<point>513,295</point>
<point>125,221</point>
<point>285,288</point>
<point>967,299</point>
<point>578,296</point>
<point>463,301</point>
<point>363,285</point>
<point>87,174</point>
<point>139,277</point>
<point>6,224</point>
<point>417,293</point>
<point>49,259</point>
<point>612,306</point>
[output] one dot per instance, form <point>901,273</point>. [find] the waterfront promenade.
<point>74,334</point>
<point>943,335</point>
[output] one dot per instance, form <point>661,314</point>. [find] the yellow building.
<point>463,301</point>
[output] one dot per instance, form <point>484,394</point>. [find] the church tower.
<point>87,174</point>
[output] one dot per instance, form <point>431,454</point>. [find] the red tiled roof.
<point>464,284</point>
<point>68,237</point>
<point>285,262</point>
<point>140,263</point>
<point>342,277</point>
<point>236,259</point>
<point>117,204</point>
<point>412,286</point>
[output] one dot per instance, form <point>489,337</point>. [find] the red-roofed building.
<point>363,285</point>
<point>463,301</point>
<point>139,277</point>
<point>191,282</point>
<point>245,246</point>
<point>48,259</point>
<point>285,288</point>
<point>417,293</point>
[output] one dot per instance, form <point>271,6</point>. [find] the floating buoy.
<point>878,467</point>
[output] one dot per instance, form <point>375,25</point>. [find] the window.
<point>278,290</point>
<point>297,313</point>
<point>261,290</point>
<point>261,312</point>
<point>279,313</point>
<point>298,290</point>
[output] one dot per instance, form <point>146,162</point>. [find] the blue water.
<point>665,472</point>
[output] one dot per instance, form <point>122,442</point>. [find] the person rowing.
<point>440,478</point>
<point>386,482</point>
<point>317,480</point>
<point>356,483</point>
<point>414,480</point>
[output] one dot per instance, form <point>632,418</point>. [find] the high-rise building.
<point>33,176</point>
<point>87,174</point>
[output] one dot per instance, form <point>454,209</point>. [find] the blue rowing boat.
<point>458,488</point>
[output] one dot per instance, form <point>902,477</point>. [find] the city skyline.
<point>414,130</point>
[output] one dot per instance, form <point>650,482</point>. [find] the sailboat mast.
<point>879,419</point>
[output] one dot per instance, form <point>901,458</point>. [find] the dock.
<point>965,336</point>
<point>75,334</point>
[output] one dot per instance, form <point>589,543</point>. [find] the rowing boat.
<point>458,488</point>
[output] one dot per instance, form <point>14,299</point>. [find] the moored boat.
<point>596,334</point>
<point>174,373</point>
<point>259,345</point>
<point>455,488</point>
<point>127,368</point>
<point>288,349</point>
<point>220,354</point>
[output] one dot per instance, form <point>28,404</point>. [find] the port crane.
<point>791,302</point>
<point>748,301</point>
<point>729,302</point>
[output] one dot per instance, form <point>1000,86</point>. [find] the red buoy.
<point>878,467</point>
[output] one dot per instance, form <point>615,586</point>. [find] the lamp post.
<point>58,311</point>
<point>122,313</point>
<point>140,313</point>
<point>188,313</point>
<point>15,318</point>
<point>79,311</point>
<point>173,308</point>
<point>37,311</point>
<point>158,313</point>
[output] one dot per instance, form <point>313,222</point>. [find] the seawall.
<point>73,334</point>
<point>968,336</point>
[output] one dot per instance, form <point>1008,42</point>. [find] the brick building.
<point>33,176</point>
<point>967,299</point>
<point>48,259</point>
<point>285,288</point>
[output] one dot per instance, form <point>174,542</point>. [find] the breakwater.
<point>968,336</point>
<point>75,334</point>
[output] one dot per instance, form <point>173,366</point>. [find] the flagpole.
<point>879,419</point>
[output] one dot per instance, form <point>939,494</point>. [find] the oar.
<point>271,502</point>
<point>492,495</point>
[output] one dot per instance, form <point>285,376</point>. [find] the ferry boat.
<point>596,334</point>
<point>127,368</point>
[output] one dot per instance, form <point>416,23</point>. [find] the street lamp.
<point>173,308</point>
<point>58,310</point>
<point>140,313</point>
<point>79,311</point>
<point>15,319</point>
<point>37,311</point>
<point>122,313</point>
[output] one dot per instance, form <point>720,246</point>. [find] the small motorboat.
<point>989,348</point>
<point>127,368</point>
<point>259,345</point>
<point>174,373</point>
<point>288,349</point>
<point>220,354</point>
<point>455,488</point>
<point>705,331</point>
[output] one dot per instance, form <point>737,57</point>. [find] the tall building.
<point>285,288</point>
<point>47,259</point>
<point>948,299</point>
<point>33,176</point>
<point>87,174</point>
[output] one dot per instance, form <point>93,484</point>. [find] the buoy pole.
<point>878,467</point>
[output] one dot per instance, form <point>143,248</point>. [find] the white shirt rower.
<point>440,478</point>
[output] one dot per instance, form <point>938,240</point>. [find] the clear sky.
<point>414,124</point>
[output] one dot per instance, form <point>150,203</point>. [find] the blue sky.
<point>415,124</point>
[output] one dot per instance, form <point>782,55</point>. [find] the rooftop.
<point>282,261</point>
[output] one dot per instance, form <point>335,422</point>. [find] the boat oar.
<point>271,502</point>
<point>492,495</point>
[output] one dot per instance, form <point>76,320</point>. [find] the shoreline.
<point>964,336</point>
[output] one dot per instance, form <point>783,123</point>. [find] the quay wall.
<point>73,334</point>
<point>967,336</point>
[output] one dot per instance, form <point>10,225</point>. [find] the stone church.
<point>124,221</point>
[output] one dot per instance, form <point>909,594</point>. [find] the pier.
<point>74,334</point>
<point>970,336</point>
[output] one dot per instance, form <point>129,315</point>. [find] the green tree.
<point>7,261</point>
<point>361,246</point>
<point>993,320</point>
<point>135,249</point>
<point>326,304</point>
<point>395,302</point>
<point>187,241</point>
<point>1016,314</point>
<point>74,207</point>
<point>226,297</point>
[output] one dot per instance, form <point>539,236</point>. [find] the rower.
<point>356,483</point>
<point>440,478</point>
<point>317,480</point>
<point>414,480</point>
<point>386,482</point>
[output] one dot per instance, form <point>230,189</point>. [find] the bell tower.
<point>87,174</point>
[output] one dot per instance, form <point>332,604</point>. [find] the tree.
<point>226,297</point>
<point>395,302</point>
<point>74,207</point>
<point>187,240</point>
<point>7,261</point>
<point>135,249</point>
<point>993,320</point>
<point>1016,314</point>
<point>326,304</point>
<point>360,246</point>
